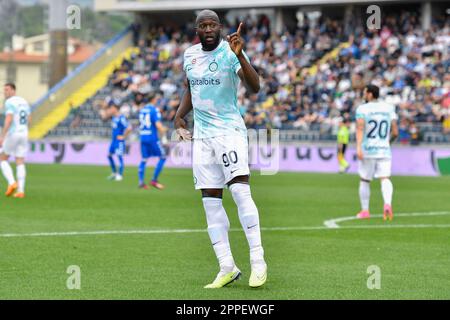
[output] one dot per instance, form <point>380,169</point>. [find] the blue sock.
<point>112,164</point>
<point>121,166</point>
<point>158,169</point>
<point>142,167</point>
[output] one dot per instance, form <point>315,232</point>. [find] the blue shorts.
<point>152,149</point>
<point>117,147</point>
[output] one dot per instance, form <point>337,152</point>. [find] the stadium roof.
<point>180,5</point>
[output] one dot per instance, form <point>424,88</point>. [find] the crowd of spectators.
<point>411,66</point>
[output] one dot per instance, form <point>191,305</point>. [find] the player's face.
<point>208,30</point>
<point>113,111</point>
<point>8,92</point>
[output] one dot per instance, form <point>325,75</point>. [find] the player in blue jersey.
<point>376,128</point>
<point>149,126</point>
<point>214,68</point>
<point>120,130</point>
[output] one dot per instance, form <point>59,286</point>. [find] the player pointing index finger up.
<point>235,40</point>
<point>214,68</point>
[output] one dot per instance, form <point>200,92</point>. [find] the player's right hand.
<point>359,153</point>
<point>183,134</point>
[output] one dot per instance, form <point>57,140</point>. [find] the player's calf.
<point>364,196</point>
<point>249,217</point>
<point>387,189</point>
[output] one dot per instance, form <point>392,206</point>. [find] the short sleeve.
<point>235,64</point>
<point>359,114</point>
<point>9,108</point>
<point>185,64</point>
<point>156,115</point>
<point>124,122</point>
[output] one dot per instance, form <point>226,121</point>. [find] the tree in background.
<point>8,21</point>
<point>29,21</point>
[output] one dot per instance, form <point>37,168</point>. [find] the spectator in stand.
<point>409,65</point>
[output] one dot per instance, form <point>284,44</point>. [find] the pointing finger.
<point>239,29</point>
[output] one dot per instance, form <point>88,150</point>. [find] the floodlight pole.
<point>58,41</point>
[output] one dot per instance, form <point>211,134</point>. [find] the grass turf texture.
<point>304,264</point>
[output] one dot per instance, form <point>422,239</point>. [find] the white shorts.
<point>16,145</point>
<point>374,168</point>
<point>216,161</point>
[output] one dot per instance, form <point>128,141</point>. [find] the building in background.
<point>27,63</point>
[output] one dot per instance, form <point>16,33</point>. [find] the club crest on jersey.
<point>194,61</point>
<point>213,66</point>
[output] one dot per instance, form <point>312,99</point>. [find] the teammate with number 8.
<point>376,128</point>
<point>14,140</point>
<point>214,68</point>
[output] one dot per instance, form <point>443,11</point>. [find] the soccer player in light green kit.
<point>214,69</point>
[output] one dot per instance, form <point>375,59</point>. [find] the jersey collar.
<point>217,48</point>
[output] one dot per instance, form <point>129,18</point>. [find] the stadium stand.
<point>312,77</point>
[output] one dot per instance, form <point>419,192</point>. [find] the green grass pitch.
<point>307,263</point>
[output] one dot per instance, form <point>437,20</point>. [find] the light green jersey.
<point>378,117</point>
<point>20,110</point>
<point>213,80</point>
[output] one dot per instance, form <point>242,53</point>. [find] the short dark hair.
<point>207,14</point>
<point>11,85</point>
<point>374,90</point>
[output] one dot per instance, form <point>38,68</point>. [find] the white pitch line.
<point>174,231</point>
<point>333,223</point>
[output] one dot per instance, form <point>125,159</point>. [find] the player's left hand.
<point>235,40</point>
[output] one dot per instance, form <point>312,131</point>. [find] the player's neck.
<point>211,49</point>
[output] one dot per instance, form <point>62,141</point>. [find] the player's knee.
<point>365,180</point>
<point>212,193</point>
<point>242,196</point>
<point>239,179</point>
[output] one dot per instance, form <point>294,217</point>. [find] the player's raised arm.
<point>184,108</point>
<point>360,125</point>
<point>247,73</point>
